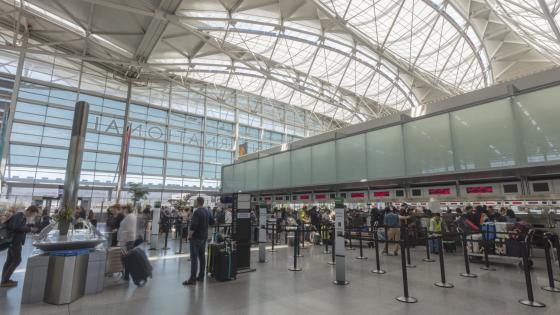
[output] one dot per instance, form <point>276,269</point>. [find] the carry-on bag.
<point>137,264</point>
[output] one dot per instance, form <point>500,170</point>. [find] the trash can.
<point>66,276</point>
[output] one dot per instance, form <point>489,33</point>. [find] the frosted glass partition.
<point>351,158</point>
<point>228,178</point>
<point>483,136</point>
<point>538,116</point>
<point>323,163</point>
<point>523,130</point>
<point>385,154</point>
<point>281,171</point>
<point>252,175</point>
<point>301,167</point>
<point>239,177</point>
<point>428,146</point>
<point>266,172</point>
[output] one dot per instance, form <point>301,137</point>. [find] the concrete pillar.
<point>75,154</point>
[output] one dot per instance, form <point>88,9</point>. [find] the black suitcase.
<point>224,262</point>
<point>137,264</point>
<point>213,250</point>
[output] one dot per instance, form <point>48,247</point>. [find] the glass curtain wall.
<point>180,136</point>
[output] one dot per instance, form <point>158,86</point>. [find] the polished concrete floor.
<point>272,289</point>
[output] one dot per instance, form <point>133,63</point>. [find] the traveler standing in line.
<point>91,218</point>
<point>198,235</point>
<point>391,221</point>
<point>17,226</point>
<point>435,231</point>
<point>127,233</point>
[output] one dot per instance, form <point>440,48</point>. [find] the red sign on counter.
<point>303,197</point>
<point>439,191</point>
<point>480,190</point>
<point>381,193</point>
<point>320,196</point>
<point>357,195</point>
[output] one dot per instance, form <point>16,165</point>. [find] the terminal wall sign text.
<point>161,133</point>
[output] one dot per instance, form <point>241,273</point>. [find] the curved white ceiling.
<point>536,21</point>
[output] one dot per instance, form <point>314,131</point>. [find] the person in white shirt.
<point>128,233</point>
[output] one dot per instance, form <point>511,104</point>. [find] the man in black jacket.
<point>17,224</point>
<point>198,235</point>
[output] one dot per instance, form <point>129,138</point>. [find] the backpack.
<point>6,236</point>
<point>466,225</point>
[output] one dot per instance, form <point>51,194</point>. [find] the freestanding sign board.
<point>340,251</point>
<point>263,216</point>
<point>242,229</point>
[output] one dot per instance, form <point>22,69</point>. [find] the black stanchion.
<point>285,236</point>
<point>442,283</point>
<point>405,298</point>
<point>386,248</point>
<point>550,287</point>
<point>180,251</point>
<point>530,301</point>
<point>428,258</point>
<point>467,273</point>
<point>333,259</point>
<point>361,246</point>
<point>165,243</point>
<point>324,233</point>
<point>377,263</point>
<point>296,250</point>
<point>408,257</point>
<point>272,250</point>
<point>486,248</point>
<point>298,231</point>
<point>350,247</point>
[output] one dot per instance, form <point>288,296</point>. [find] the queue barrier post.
<point>467,273</point>
<point>272,250</point>
<point>428,258</point>
<point>549,272</point>
<point>333,258</point>
<point>442,283</point>
<point>180,251</point>
<point>295,267</point>
<point>350,247</point>
<point>405,298</point>
<point>324,233</point>
<point>361,246</point>
<point>530,301</point>
<point>407,247</point>
<point>486,246</point>
<point>377,269</point>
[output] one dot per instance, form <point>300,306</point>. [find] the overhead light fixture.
<point>363,180</point>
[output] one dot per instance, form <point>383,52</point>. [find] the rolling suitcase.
<point>225,264</point>
<point>213,249</point>
<point>138,265</point>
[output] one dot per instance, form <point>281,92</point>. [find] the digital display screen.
<point>320,197</point>
<point>381,193</point>
<point>540,187</point>
<point>510,188</point>
<point>267,198</point>
<point>400,193</point>
<point>416,192</point>
<point>342,195</point>
<point>357,195</point>
<point>279,198</point>
<point>304,197</point>
<point>439,191</point>
<point>333,196</point>
<point>480,190</point>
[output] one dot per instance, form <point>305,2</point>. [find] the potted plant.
<point>137,193</point>
<point>64,219</point>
